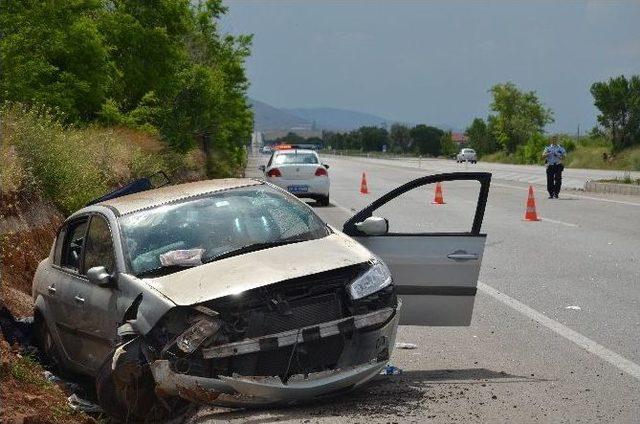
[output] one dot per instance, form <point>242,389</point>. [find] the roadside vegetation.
<point>514,131</point>
<point>160,67</point>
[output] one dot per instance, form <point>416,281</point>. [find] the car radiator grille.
<point>302,313</point>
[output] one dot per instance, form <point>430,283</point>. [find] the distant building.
<point>459,138</point>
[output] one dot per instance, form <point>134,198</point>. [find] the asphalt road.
<point>556,327</point>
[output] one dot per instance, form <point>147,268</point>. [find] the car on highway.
<point>235,293</point>
<point>266,149</point>
<point>467,155</point>
<point>300,172</point>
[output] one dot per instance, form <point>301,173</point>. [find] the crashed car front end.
<point>294,340</point>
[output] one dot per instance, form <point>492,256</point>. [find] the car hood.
<point>248,271</point>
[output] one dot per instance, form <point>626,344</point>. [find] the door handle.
<point>462,256</point>
<point>51,289</point>
<point>79,299</point>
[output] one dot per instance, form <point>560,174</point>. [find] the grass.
<point>27,370</point>
<point>591,157</point>
<point>71,166</point>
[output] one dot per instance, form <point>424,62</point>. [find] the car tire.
<point>50,352</point>
<point>324,201</point>
<point>127,393</point>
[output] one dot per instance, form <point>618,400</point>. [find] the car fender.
<point>143,301</point>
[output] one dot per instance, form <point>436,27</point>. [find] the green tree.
<point>426,139</point>
<point>400,138</point>
<point>531,151</point>
<point>52,53</point>
<point>480,137</point>
<point>618,101</point>
<point>372,138</point>
<point>447,146</point>
<point>518,115</point>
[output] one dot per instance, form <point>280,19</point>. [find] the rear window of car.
<point>295,158</point>
<point>468,151</point>
<point>217,224</point>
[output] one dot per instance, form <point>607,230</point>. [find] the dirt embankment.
<point>27,228</point>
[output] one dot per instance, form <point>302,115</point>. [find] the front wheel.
<point>126,390</point>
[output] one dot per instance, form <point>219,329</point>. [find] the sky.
<point>433,62</point>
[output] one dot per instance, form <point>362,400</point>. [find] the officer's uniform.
<point>554,168</point>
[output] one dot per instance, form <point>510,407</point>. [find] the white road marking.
<point>569,196</point>
<point>568,224</point>
<point>618,361</point>
<point>343,208</point>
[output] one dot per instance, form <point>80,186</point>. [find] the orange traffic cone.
<point>438,199</point>
<point>531,214</point>
<point>363,185</point>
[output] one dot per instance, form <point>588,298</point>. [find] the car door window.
<point>417,212</point>
<point>73,246</point>
<point>99,245</point>
<point>57,252</point>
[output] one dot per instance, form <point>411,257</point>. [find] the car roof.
<point>171,193</point>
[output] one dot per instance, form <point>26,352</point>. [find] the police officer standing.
<point>553,154</point>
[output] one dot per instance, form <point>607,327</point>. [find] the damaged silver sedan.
<point>235,293</point>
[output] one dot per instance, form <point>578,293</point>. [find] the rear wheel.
<point>50,351</point>
<point>324,200</point>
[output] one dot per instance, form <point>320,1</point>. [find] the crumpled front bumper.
<point>355,367</point>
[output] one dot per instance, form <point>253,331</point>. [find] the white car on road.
<point>300,172</point>
<point>467,155</point>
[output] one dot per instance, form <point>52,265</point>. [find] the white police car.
<point>300,172</point>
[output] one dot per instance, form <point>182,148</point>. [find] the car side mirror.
<point>262,168</point>
<point>99,276</point>
<point>374,226</point>
<point>326,165</point>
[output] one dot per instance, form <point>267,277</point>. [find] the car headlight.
<point>195,335</point>
<point>375,278</point>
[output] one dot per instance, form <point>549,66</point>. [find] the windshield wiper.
<point>252,248</point>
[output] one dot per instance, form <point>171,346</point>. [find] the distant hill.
<point>267,117</point>
<point>271,118</point>
<point>338,119</point>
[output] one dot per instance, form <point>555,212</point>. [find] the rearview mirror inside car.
<point>99,276</point>
<point>373,226</point>
<point>262,168</point>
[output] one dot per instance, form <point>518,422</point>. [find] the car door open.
<point>435,273</point>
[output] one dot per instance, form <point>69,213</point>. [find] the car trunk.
<point>302,171</point>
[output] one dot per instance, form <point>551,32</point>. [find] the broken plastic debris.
<point>189,257</point>
<point>574,307</point>
<point>78,404</point>
<point>391,370</point>
<point>401,345</point>
<point>52,377</point>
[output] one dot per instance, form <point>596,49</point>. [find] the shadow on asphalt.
<point>392,396</point>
